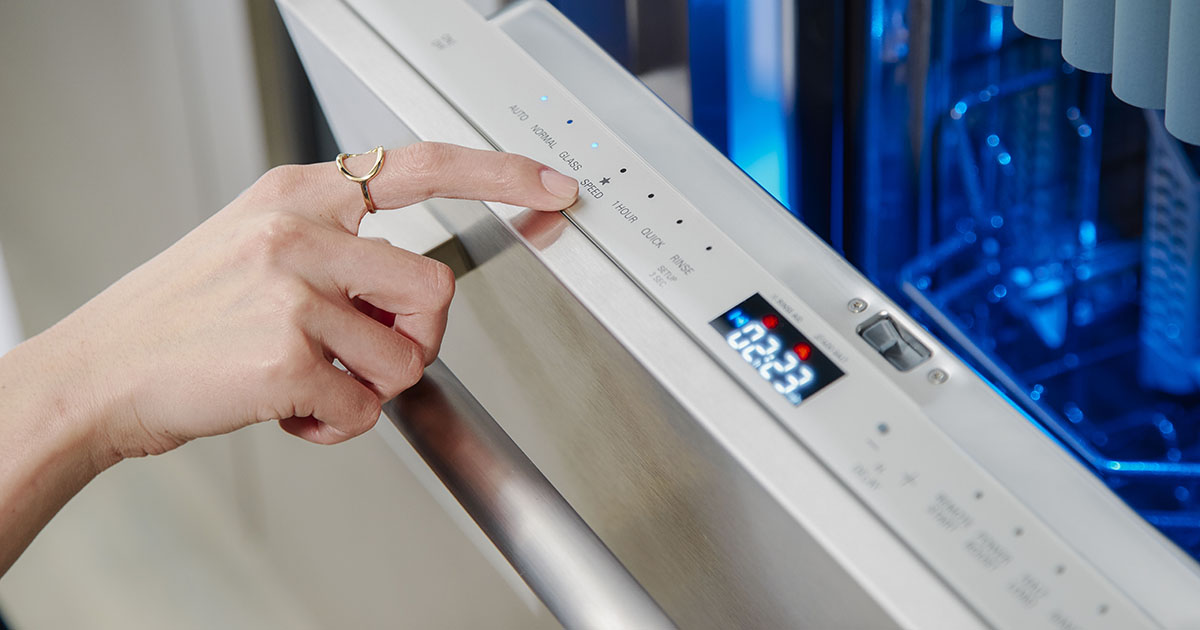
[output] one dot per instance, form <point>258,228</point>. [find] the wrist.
<point>54,402</point>
<point>49,446</point>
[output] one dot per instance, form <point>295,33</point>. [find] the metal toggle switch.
<point>895,343</point>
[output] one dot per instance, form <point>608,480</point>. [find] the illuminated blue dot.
<point>993,140</point>
<point>545,98</point>
<point>1087,233</point>
<point>1073,113</point>
<point>1085,131</point>
<point>960,108</point>
<point>570,122</point>
<point>997,221</point>
<point>595,145</point>
<point>1021,276</point>
<point>1004,158</point>
<point>999,290</point>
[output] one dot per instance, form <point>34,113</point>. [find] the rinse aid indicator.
<point>701,278</point>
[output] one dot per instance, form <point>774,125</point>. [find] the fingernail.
<point>559,185</point>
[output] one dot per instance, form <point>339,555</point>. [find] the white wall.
<point>125,123</point>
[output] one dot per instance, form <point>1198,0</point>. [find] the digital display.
<point>783,357</point>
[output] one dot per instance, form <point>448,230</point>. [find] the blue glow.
<point>1085,130</point>
<point>960,108</point>
<point>877,14</point>
<point>997,221</point>
<point>595,145</point>
<point>996,27</point>
<point>760,137</point>
<point>1000,290</point>
<point>1004,158</point>
<point>993,140</point>
<point>1087,233</point>
<point>545,98</point>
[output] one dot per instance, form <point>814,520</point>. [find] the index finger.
<point>427,170</point>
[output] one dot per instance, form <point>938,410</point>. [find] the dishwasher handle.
<point>551,547</point>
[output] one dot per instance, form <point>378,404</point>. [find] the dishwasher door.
<point>883,501</point>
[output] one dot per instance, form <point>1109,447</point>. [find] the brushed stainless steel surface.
<point>553,550</point>
<point>716,509</point>
<point>1089,516</point>
<point>723,517</point>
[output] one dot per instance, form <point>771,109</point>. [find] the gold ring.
<point>365,179</point>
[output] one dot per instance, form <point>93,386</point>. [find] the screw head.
<point>937,376</point>
<point>857,305</point>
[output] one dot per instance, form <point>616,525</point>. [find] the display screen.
<point>783,357</point>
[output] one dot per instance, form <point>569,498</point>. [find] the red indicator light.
<point>802,350</point>
<point>770,321</point>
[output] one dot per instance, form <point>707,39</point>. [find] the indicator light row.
<point>596,145</point>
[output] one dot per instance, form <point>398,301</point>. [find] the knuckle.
<point>292,359</point>
<point>362,414</point>
<point>410,370</point>
<point>439,284</point>
<point>426,160</point>
<point>371,410</point>
<point>293,302</point>
<point>280,180</point>
<point>508,170</point>
<point>273,236</point>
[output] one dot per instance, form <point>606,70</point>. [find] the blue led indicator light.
<point>595,145</point>
<point>993,140</point>
<point>570,122</point>
<point>545,98</point>
<point>1004,159</point>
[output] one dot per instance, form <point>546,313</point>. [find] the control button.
<point>896,345</point>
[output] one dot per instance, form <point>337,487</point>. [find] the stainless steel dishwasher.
<point>673,404</point>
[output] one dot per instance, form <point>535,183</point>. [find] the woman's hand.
<point>239,323</point>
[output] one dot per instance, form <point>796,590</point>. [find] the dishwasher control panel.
<point>826,384</point>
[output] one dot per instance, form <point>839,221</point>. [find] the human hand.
<point>239,321</point>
